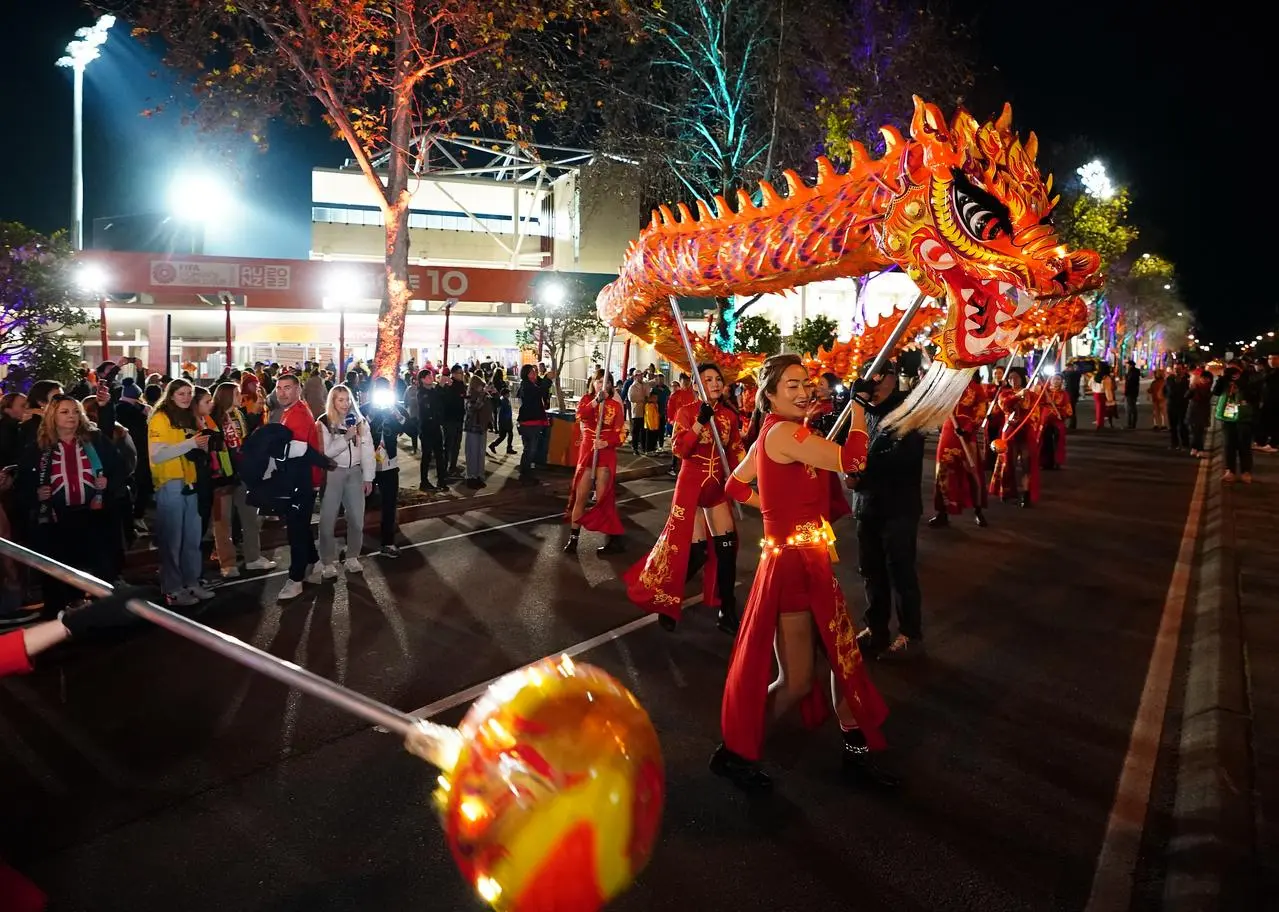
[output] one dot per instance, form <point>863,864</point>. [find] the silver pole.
<point>599,423</point>
<point>357,704</point>
<point>880,359</point>
<point>77,159</point>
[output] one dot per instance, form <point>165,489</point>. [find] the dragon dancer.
<point>1016,472</point>
<point>1055,410</point>
<point>961,473</point>
<point>600,421</point>
<point>700,533</point>
<point>795,603</point>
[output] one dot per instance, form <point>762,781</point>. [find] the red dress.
<point>1020,434</point>
<point>995,423</point>
<point>960,478</point>
<point>656,583</point>
<point>602,517</point>
<point>1054,410</point>
<point>794,575</point>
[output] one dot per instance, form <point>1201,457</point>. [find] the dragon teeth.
<point>972,325</point>
<point>971,310</point>
<point>1004,288</point>
<point>1002,317</point>
<point>967,293</point>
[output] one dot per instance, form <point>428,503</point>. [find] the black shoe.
<point>980,518</point>
<point>871,648</point>
<point>667,622</point>
<point>727,619</point>
<point>939,521</point>
<point>1025,499</point>
<point>510,452</point>
<point>614,545</point>
<point>744,774</point>
<point>860,769</point>
<point>493,448</point>
<point>570,547</point>
<point>391,551</point>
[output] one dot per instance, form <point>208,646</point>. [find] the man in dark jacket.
<point>453,405</point>
<point>430,426</point>
<point>887,508</point>
<point>1132,392</point>
<point>1177,397</point>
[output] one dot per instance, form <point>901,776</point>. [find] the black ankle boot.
<point>744,774</point>
<point>980,517</point>
<point>614,545</point>
<point>859,768</point>
<point>571,546</point>
<point>1025,499</point>
<point>939,521</point>
<point>726,582</point>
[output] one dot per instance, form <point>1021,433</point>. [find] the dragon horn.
<point>744,203</point>
<point>668,217</point>
<point>1005,121</point>
<point>771,196</point>
<point>685,214</point>
<point>794,184</point>
<point>1032,146</point>
<point>704,212</point>
<point>721,206</point>
<point>825,170</point>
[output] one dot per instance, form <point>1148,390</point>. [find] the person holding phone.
<point>344,438</point>
<point>173,436</point>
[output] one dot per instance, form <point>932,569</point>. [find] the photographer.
<point>386,421</point>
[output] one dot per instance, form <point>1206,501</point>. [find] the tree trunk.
<point>395,304</point>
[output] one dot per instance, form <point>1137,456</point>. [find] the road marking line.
<point>1112,884</point>
<point>447,538</point>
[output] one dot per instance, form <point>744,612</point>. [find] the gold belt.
<point>806,535</point>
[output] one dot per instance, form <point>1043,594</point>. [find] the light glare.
<point>198,197</point>
<point>1095,180</point>
<point>88,40</point>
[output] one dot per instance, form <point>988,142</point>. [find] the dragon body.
<point>962,209</point>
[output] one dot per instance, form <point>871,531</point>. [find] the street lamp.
<point>93,279</point>
<point>198,198</point>
<point>1167,288</point>
<point>552,297</point>
<point>1095,180</point>
<point>80,53</point>
<point>342,287</point>
<point>449,304</point>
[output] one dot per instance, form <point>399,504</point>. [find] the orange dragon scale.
<point>962,209</point>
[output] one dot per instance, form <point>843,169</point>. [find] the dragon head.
<point>969,222</point>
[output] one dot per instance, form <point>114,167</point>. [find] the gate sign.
<point>220,275</point>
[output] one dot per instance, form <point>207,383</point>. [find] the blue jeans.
<point>543,445</point>
<point>529,440</point>
<point>177,535</point>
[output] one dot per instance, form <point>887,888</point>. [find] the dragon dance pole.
<point>880,359</point>
<point>701,391</point>
<point>437,744</point>
<point>599,422</point>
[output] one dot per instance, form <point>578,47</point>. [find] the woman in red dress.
<point>603,436</point>
<point>961,470</point>
<point>700,516</point>
<point>1016,473</point>
<point>795,604</point>
<point>1054,410</point>
<point>994,417</point>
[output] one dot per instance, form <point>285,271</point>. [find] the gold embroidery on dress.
<point>657,569</point>
<point>846,652</point>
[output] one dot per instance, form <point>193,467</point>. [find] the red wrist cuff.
<point>739,490</point>
<point>852,455</point>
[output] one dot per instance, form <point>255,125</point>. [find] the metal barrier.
<point>357,704</point>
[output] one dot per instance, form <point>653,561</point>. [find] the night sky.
<point>1169,93</point>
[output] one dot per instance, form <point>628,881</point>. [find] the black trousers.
<point>639,436</point>
<point>81,539</point>
<point>1073,421</point>
<point>432,439</point>
<point>388,490</point>
<point>297,525</point>
<point>1178,430</point>
<point>1130,412</point>
<point>1266,430</point>
<point>452,445</point>
<point>886,549</point>
<point>1238,445</point>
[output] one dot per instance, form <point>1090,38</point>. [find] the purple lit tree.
<point>41,305</point>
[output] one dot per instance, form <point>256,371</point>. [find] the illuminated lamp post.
<point>80,53</point>
<point>342,287</point>
<point>551,296</point>
<point>198,198</point>
<point>449,304</point>
<point>93,279</point>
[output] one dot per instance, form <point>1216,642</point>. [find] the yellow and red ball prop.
<point>555,799</point>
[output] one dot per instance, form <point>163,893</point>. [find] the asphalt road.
<point>146,774</point>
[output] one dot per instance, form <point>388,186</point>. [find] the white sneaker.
<point>329,571</point>
<point>201,593</point>
<point>261,563</point>
<point>314,573</point>
<point>353,566</point>
<point>231,573</point>
<point>292,589</point>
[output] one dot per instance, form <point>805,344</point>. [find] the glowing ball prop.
<point>999,445</point>
<point>555,800</point>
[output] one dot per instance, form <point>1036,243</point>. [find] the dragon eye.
<point>978,219</point>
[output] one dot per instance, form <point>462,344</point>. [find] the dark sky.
<point>1168,92</point>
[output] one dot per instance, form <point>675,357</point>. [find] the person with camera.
<point>173,436</point>
<point>228,427</point>
<point>344,438</point>
<point>430,430</point>
<point>386,421</point>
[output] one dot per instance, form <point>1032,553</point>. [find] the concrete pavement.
<point>146,774</point>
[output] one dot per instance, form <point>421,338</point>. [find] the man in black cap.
<point>887,507</point>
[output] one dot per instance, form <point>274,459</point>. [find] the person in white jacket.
<point>344,438</point>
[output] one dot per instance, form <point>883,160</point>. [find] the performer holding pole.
<point>600,421</point>
<point>700,532</point>
<point>960,476</point>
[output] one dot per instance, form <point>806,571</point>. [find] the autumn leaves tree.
<point>385,75</point>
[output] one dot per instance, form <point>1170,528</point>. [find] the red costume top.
<point>960,476</point>
<point>13,654</point>
<point>1054,409</point>
<point>1020,432</point>
<point>656,583</point>
<point>794,575</point>
<point>602,517</point>
<point>680,398</point>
